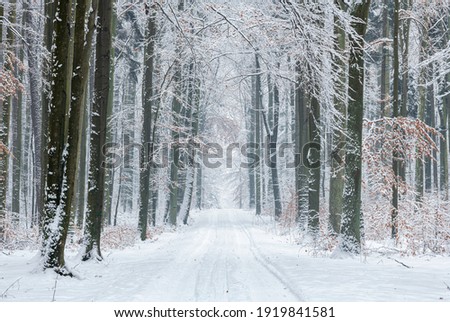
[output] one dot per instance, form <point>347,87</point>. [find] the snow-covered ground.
<point>226,255</point>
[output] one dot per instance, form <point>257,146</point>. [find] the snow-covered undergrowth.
<point>421,231</point>
<point>18,237</point>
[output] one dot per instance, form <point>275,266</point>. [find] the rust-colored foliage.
<point>9,83</point>
<point>408,138</point>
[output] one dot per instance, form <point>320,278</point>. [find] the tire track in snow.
<point>233,268</point>
<point>268,265</point>
<point>216,259</point>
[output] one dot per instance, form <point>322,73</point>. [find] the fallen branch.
<point>4,293</point>
<point>448,287</point>
<point>403,264</point>
<point>54,288</point>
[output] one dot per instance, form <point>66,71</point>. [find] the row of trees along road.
<point>106,118</point>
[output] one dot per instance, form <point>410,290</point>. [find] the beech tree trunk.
<point>337,162</point>
<point>4,134</point>
<point>83,34</point>
<point>147,140</point>
<point>258,101</point>
<point>56,220</point>
<point>96,196</point>
<point>301,139</point>
<point>273,153</point>
<point>396,162</point>
<point>34,76</point>
<point>314,166</point>
<point>351,223</point>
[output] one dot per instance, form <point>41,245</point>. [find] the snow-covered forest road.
<point>218,260</point>
<point>226,255</point>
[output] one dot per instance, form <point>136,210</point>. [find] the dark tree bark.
<point>419,167</point>
<point>194,104</point>
<point>431,173</point>
<point>443,114</point>
<point>83,35</point>
<point>301,139</point>
<point>147,140</point>
<point>109,175</point>
<point>314,166</point>
<point>4,134</point>
<point>174,166</point>
<point>199,174</point>
<point>56,221</point>
<point>337,162</point>
<point>351,223</point>
<point>101,97</point>
<point>273,162</point>
<point>176,122</point>
<point>396,162</point>
<point>385,63</point>
<point>258,102</point>
<point>405,64</point>
<point>251,142</point>
<point>49,12</point>
<point>16,118</point>
<point>34,76</point>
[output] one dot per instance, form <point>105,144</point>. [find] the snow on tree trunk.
<point>351,223</point>
<point>258,141</point>
<point>56,220</point>
<point>337,171</point>
<point>147,140</point>
<point>96,196</point>
<point>83,34</point>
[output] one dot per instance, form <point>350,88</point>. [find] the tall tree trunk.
<point>176,122</point>
<point>314,166</point>
<point>429,120</point>
<point>49,12</point>
<point>56,221</point>
<point>194,103</point>
<point>16,119</point>
<point>385,63</point>
<point>337,174</point>
<point>444,110</point>
<point>443,155</point>
<point>83,34</point>
<point>301,139</point>
<point>199,187</point>
<point>109,175</point>
<point>258,103</point>
<point>395,107</point>
<point>251,141</point>
<point>4,137</point>
<point>273,153</point>
<point>351,223</point>
<point>405,65</point>
<point>154,168</point>
<point>84,161</point>
<point>419,168</point>
<point>101,97</point>
<point>174,166</point>
<point>34,86</point>
<point>147,140</point>
<point>432,123</point>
